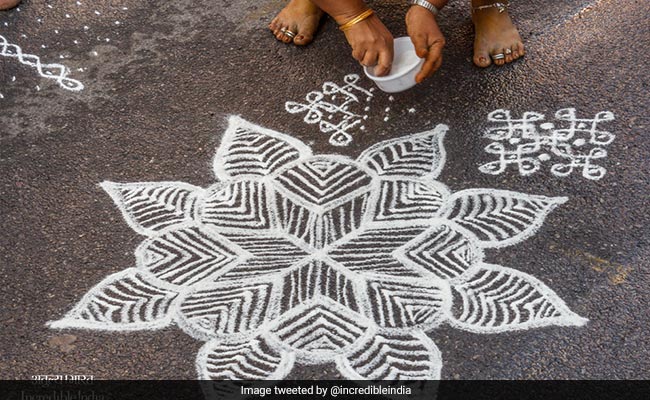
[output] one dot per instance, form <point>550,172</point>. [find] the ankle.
<point>305,5</point>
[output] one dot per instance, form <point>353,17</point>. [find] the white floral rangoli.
<point>299,258</point>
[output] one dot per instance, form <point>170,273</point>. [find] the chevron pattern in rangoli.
<point>299,258</point>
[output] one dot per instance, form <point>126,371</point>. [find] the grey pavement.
<point>160,80</point>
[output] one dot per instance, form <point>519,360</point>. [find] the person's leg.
<point>300,17</point>
<point>496,35</point>
<point>7,4</point>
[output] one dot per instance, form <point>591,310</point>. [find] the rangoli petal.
<point>317,330</point>
<point>150,207</point>
<point>393,355</point>
<point>250,150</point>
<point>494,299</point>
<point>323,181</point>
<point>243,360</point>
<point>237,206</point>
<point>268,254</point>
<point>499,218</point>
<point>419,155</point>
<point>125,301</point>
<point>322,199</point>
<point>442,251</point>
<point>372,251</point>
<point>408,200</point>
<point>226,308</point>
<point>187,256</point>
<point>407,302</point>
<point>315,280</point>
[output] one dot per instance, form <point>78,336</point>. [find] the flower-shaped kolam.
<point>291,257</point>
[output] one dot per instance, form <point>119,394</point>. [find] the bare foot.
<point>495,34</point>
<point>300,17</point>
<point>7,4</point>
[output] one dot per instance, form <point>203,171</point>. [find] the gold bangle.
<point>356,20</point>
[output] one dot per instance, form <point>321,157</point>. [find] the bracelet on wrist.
<point>425,4</point>
<point>344,27</point>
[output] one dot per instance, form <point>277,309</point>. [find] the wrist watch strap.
<point>425,4</point>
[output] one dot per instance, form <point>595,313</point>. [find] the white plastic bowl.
<point>406,64</point>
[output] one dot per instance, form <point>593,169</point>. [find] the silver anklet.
<point>501,6</point>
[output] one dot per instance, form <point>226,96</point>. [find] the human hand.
<point>427,38</point>
<point>372,44</point>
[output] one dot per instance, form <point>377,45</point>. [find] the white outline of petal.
<point>344,367</point>
<point>440,130</point>
<point>70,321</point>
<point>529,231</point>
<point>568,318</point>
<point>112,188</point>
<point>235,122</point>
<point>283,369</point>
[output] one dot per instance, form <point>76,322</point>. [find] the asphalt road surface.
<point>160,80</point>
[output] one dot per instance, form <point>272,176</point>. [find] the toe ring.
<point>287,32</point>
<point>508,51</point>
<point>499,56</point>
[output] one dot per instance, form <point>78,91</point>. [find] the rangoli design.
<point>336,108</point>
<point>292,257</point>
<point>527,142</point>
<point>57,72</point>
